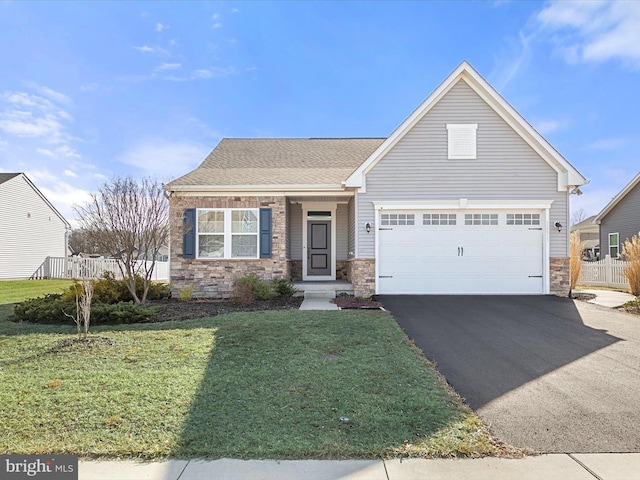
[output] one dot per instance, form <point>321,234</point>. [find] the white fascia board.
<point>501,107</point>
<point>356,179</point>
<point>623,193</point>
<point>264,193</point>
<point>464,204</point>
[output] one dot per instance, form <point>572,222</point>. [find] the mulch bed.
<point>177,310</point>
<point>585,297</point>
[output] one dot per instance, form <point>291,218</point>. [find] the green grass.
<point>243,385</point>
<point>14,291</point>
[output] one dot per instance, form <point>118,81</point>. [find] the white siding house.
<point>31,229</point>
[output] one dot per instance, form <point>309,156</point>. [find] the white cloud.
<point>69,173</point>
<point>204,74</point>
<point>169,66</point>
<point>608,144</point>
<point>215,16</point>
<point>46,152</point>
<point>163,159</point>
<point>144,49</point>
<point>49,93</point>
<point>548,126</point>
<point>509,63</point>
<point>160,27</point>
<point>216,25</point>
<point>235,10</point>
<point>593,31</point>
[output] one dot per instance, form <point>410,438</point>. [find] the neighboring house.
<point>589,234</point>
<point>620,219</point>
<point>31,229</point>
<point>464,197</point>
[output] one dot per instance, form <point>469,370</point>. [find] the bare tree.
<point>129,220</point>
<point>80,242</point>
<point>84,295</point>
<point>578,216</point>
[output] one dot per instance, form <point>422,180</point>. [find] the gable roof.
<point>623,193</point>
<point>278,163</point>
<point>5,177</point>
<point>584,224</point>
<point>568,176</point>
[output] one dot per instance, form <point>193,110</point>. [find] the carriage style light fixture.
<point>367,227</point>
<point>558,225</point>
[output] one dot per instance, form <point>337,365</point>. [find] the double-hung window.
<point>227,233</point>
<point>614,245</point>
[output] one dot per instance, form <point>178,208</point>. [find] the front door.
<point>318,247</point>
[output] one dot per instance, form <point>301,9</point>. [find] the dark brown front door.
<point>319,247</point>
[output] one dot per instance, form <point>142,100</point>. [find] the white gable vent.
<point>462,140</point>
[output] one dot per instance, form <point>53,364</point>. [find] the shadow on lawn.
<point>314,387</point>
<point>487,346</point>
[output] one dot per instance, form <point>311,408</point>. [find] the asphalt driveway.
<point>544,372</point>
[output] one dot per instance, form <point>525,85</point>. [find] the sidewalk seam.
<point>584,466</point>
<point>386,472</point>
<point>185,467</point>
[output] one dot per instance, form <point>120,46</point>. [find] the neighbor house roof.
<point>623,193</point>
<point>7,176</point>
<point>278,162</point>
<point>585,224</point>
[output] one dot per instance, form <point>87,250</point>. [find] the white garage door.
<point>460,252</point>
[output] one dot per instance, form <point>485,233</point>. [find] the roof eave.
<point>333,187</point>
<point>623,193</point>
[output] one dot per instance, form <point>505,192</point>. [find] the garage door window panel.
<point>390,219</point>
<point>481,219</point>
<point>523,219</point>
<point>439,219</point>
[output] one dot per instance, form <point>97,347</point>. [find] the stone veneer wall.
<point>559,278</point>
<point>295,269</point>
<point>213,278</point>
<point>361,273</point>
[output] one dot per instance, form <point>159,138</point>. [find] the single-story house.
<point>464,197</point>
<point>589,234</point>
<point>620,219</point>
<point>31,229</point>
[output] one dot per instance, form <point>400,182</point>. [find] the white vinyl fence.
<point>76,267</point>
<point>604,273</point>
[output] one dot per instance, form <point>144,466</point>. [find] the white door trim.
<point>326,207</point>
<point>465,204</point>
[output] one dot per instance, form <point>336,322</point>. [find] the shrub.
<point>250,288</point>
<point>51,309</point>
<point>575,257</point>
<point>631,253</point>
<point>185,294</point>
<point>283,287</point>
<point>109,290</point>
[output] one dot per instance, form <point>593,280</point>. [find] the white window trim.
<point>617,245</point>
<point>454,129</point>
<point>227,233</point>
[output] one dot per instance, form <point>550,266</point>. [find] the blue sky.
<point>90,90</point>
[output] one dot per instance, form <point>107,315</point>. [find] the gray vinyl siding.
<point>351,238</point>
<point>623,219</point>
<point>295,231</point>
<point>506,167</point>
<point>30,230</point>
<point>342,228</point>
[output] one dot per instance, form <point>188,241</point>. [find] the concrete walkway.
<point>318,303</point>
<point>609,466</point>
<point>607,298</point>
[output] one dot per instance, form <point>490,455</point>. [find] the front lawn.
<point>14,291</point>
<point>281,384</point>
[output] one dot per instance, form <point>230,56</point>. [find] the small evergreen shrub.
<point>51,309</point>
<point>283,287</point>
<point>249,288</point>
<point>109,290</point>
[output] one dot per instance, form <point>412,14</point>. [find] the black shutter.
<point>265,233</point>
<point>189,234</point>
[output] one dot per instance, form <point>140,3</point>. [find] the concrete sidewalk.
<point>605,466</point>
<point>607,298</point>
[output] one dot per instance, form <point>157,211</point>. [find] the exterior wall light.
<point>558,225</point>
<point>367,227</point>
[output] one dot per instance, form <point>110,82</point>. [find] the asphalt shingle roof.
<point>286,161</point>
<point>7,176</point>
